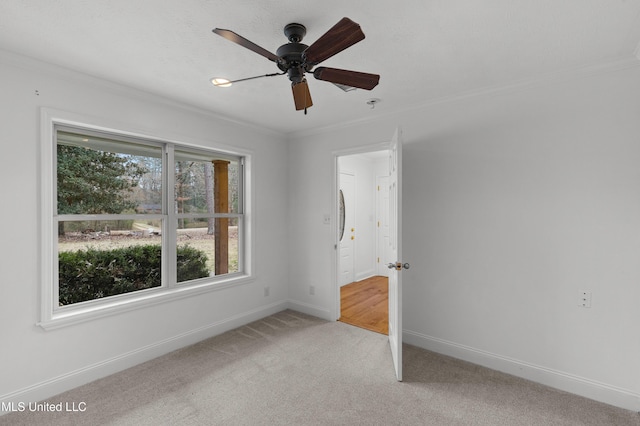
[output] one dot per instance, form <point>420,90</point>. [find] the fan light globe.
<point>220,82</point>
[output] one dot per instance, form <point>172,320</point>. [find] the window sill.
<point>73,315</point>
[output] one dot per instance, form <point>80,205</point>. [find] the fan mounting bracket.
<point>295,32</point>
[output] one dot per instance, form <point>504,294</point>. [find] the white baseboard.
<point>315,311</point>
<point>73,379</point>
<point>587,388</point>
<point>364,275</point>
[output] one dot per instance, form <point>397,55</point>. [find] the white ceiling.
<point>424,50</point>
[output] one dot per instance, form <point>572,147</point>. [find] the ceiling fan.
<point>295,59</point>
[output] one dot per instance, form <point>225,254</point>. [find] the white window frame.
<point>53,316</point>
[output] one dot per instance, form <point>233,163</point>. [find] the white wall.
<point>514,201</point>
<point>35,363</point>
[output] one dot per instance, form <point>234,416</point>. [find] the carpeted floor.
<point>293,369</point>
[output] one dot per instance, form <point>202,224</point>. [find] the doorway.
<point>365,304</point>
<point>363,237</point>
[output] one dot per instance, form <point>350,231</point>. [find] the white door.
<point>347,246</point>
<point>395,251</point>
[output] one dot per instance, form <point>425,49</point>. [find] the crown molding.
<point>28,63</point>
<point>555,77</point>
<point>586,71</point>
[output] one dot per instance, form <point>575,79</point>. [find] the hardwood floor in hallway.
<point>365,304</point>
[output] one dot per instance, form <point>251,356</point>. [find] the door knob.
<point>398,266</point>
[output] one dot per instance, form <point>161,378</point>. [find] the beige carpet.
<point>293,369</point>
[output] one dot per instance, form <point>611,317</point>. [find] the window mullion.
<point>242,220</point>
<point>116,216</point>
<point>169,242</point>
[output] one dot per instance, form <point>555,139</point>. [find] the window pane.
<point>207,247</point>
<point>206,185</point>
<point>104,258</point>
<point>102,176</point>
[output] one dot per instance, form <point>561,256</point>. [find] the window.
<point>208,207</point>
<point>133,220</point>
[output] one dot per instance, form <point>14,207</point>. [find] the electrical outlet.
<point>326,219</point>
<point>584,299</point>
<point>312,290</point>
<point>266,291</point>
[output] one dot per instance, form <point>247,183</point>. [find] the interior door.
<point>347,244</point>
<point>394,261</point>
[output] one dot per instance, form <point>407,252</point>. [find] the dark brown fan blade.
<point>342,35</point>
<point>301,95</point>
<point>361,80</point>
<point>238,39</point>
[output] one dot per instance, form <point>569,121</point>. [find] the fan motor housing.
<point>291,53</point>
<point>292,63</point>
